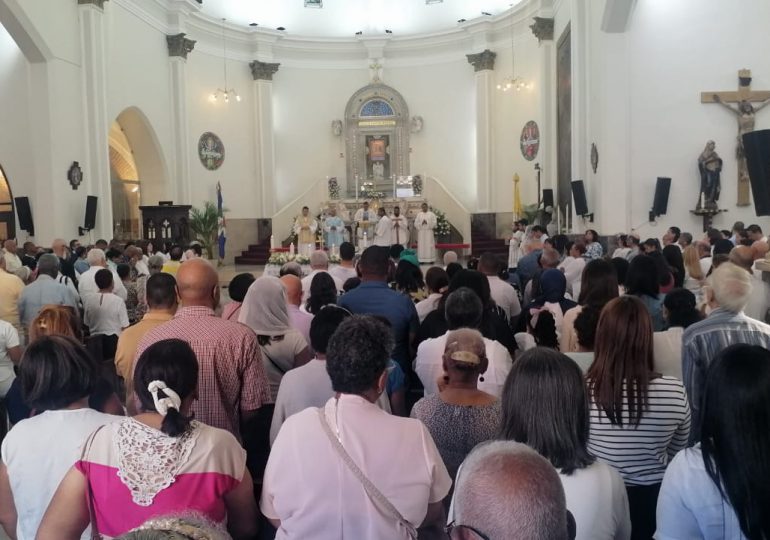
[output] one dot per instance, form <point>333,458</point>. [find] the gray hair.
<point>292,268</point>
<point>450,257</point>
<point>463,309</point>
<point>731,285</point>
<point>155,262</point>
<point>319,259</point>
<point>507,490</point>
<point>48,265</point>
<point>549,258</point>
<point>96,257</point>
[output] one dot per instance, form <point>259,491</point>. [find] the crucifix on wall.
<point>745,112</point>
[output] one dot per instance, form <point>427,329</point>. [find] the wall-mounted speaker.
<point>25,215</point>
<point>90,219</point>
<point>660,201</point>
<point>579,195</point>
<point>548,199</point>
<point>757,147</point>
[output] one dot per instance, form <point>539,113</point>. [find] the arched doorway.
<point>137,171</point>
<point>7,213</point>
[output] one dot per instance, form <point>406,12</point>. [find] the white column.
<point>96,169</point>
<point>483,64</point>
<point>579,27</point>
<point>264,155</point>
<point>178,48</point>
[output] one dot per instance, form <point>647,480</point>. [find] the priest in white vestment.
<point>400,234</point>
<point>334,228</point>
<point>425,222</point>
<point>305,227</point>
<point>365,220</point>
<point>383,230</point>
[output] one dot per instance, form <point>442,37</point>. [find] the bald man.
<point>759,301</point>
<point>66,268</point>
<point>300,320</point>
<point>231,382</point>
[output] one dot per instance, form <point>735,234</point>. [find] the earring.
<point>481,378</point>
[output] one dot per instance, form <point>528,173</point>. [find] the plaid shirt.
<point>231,379</point>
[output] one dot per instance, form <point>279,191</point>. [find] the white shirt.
<point>9,338</point>
<point>12,262</point>
<point>705,265</point>
<point>596,496</point>
<point>308,280</point>
<point>573,271</point>
<point>383,231</point>
<point>38,452</point>
<point>667,351</point>
<point>105,314</point>
<point>504,296</point>
<point>303,387</point>
<point>429,365</point>
<point>759,299</point>
<point>87,283</point>
<point>314,494</point>
<point>424,307</point>
<point>342,273</point>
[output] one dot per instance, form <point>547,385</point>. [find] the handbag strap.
<point>91,511</point>
<point>375,494</point>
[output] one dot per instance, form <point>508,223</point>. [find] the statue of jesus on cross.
<point>746,113</point>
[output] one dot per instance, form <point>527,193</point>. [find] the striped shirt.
<point>701,343</point>
<point>641,453</point>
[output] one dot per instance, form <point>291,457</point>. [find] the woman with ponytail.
<point>158,463</point>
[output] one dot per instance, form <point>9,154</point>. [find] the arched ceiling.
<point>343,18</point>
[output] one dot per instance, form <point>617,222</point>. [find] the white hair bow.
<point>162,405</point>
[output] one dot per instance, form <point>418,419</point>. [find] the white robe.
<point>382,233</point>
<point>400,234</point>
<point>306,237</point>
<point>425,222</point>
<point>368,217</point>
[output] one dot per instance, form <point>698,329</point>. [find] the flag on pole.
<point>222,232</point>
<point>517,209</point>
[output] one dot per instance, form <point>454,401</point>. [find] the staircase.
<point>483,241</point>
<point>257,254</point>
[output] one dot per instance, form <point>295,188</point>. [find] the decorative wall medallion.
<point>211,151</point>
<point>75,175</point>
<point>530,140</point>
<point>594,157</point>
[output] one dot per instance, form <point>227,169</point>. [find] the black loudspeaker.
<point>660,202</point>
<point>90,221</point>
<point>25,215</point>
<point>579,194</point>
<point>757,147</point>
<point>548,199</point>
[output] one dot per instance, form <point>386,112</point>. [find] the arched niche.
<point>376,136</point>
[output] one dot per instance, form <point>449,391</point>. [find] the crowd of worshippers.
<point>566,394</point>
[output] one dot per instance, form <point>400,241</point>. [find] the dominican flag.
<point>222,233</point>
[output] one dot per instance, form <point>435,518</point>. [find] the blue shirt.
<point>375,298</point>
<point>690,505</point>
<point>702,341</point>
<point>43,291</point>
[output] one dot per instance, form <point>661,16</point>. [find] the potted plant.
<point>204,224</point>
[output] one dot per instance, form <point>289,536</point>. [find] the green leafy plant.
<point>204,224</point>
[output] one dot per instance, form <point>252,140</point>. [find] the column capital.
<point>543,28</point>
<point>97,3</point>
<point>483,60</point>
<point>179,45</point>
<point>263,71</point>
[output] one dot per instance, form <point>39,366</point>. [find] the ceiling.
<point>343,18</point>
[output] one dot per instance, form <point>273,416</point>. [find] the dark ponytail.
<point>544,331</point>
<point>172,362</point>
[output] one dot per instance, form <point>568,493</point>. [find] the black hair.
<point>197,249</point>
<point>723,247</point>
<point>713,235</point>
<point>673,256</point>
<point>123,270</point>
<point>653,243</point>
<point>408,277</point>
<point>735,434</point>
<point>585,326</point>
<point>681,307</point>
<point>463,309</point>
<point>489,263</point>
<point>664,273</point>
<point>452,269</point>
<point>473,263</point>
<point>436,278</point>
<point>239,285</point>
<point>623,240</point>
<point>73,242</point>
<point>80,251</point>
<point>358,353</point>
<point>545,406</point>
<point>544,331</point>
<point>173,362</point>
<point>112,253</point>
<point>161,290</point>
<point>395,251</point>
<point>324,324</point>
<point>560,242</point>
<point>103,279</point>
<point>347,251</point>
<point>55,372</point>
<point>176,253</point>
<point>677,232</point>
<point>351,283</point>
<point>754,228</point>
<point>598,283</point>
<point>594,235</point>
<point>633,240</point>
<point>642,277</point>
<point>538,228</point>
<point>621,268</point>
<point>323,291</point>
<point>374,261</point>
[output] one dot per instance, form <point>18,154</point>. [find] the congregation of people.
<point>588,387</point>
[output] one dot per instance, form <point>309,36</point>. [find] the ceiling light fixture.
<point>513,82</point>
<point>225,93</point>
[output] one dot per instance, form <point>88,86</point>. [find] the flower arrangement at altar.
<point>334,188</point>
<point>417,185</point>
<point>443,227</point>
<point>281,258</point>
<point>334,258</point>
<point>369,192</point>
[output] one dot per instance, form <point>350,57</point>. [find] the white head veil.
<point>264,308</point>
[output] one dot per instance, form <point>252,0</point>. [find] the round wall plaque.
<point>530,140</point>
<point>211,151</point>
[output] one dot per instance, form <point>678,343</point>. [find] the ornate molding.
<point>543,29</point>
<point>179,45</point>
<point>483,60</point>
<point>263,71</point>
<point>97,3</point>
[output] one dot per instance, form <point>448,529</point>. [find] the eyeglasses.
<point>453,531</point>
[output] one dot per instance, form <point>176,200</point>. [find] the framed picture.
<point>211,151</point>
<point>314,3</point>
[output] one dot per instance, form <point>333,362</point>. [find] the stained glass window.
<point>377,107</point>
